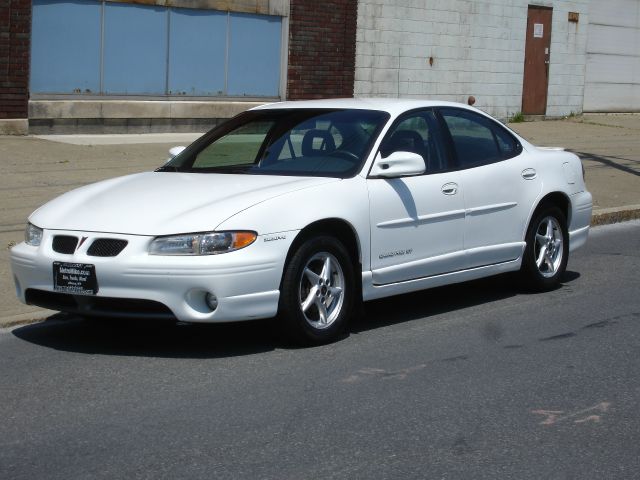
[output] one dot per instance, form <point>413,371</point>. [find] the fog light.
<point>212,301</point>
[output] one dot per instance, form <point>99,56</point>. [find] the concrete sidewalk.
<point>37,169</point>
<point>609,146</point>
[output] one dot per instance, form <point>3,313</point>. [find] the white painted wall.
<point>613,57</point>
<point>477,47</point>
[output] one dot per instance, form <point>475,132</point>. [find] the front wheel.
<point>547,250</point>
<point>318,293</point>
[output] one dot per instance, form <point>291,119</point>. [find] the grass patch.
<point>517,117</point>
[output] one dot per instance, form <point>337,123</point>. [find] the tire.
<point>547,251</point>
<point>318,293</point>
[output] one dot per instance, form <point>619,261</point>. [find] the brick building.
<point>15,27</point>
<point>106,66</point>
<point>158,65</point>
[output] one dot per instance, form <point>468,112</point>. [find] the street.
<point>477,380</point>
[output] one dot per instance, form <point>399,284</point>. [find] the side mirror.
<point>398,164</point>
<point>175,151</point>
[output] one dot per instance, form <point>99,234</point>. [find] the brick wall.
<point>15,28</point>
<point>322,39</point>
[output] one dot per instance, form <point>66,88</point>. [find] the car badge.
<point>82,240</point>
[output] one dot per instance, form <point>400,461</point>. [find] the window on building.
<point>109,48</point>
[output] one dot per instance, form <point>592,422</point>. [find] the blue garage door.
<point>199,35</point>
<point>250,60</point>
<point>59,61</point>
<point>98,47</point>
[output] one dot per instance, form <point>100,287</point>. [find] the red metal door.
<point>536,61</point>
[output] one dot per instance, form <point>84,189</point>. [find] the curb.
<point>604,216</point>
<point>26,319</point>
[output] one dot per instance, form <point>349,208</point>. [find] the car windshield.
<point>312,142</point>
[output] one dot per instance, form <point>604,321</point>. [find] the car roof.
<point>394,106</point>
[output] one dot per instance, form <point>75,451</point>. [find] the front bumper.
<point>245,282</point>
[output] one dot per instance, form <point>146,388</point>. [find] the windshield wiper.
<point>167,168</point>
<point>226,169</point>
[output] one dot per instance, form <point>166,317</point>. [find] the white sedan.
<point>301,210</point>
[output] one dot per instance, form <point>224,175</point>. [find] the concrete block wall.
<point>568,58</point>
<point>450,49</point>
<point>15,28</point>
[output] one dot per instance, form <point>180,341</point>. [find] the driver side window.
<point>417,133</point>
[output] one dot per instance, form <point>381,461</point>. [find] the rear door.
<point>500,186</point>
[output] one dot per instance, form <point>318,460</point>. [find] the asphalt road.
<point>479,380</point>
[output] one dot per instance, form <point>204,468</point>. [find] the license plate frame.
<point>75,278</point>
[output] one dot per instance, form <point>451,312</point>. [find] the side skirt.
<point>372,292</point>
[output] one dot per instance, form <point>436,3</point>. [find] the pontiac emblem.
<point>82,240</point>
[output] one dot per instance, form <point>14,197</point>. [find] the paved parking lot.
<point>37,169</point>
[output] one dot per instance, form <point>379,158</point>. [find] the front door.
<point>417,222</point>
<point>536,61</point>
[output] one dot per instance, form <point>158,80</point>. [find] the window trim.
<point>492,125</point>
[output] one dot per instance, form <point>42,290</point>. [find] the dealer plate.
<point>75,278</point>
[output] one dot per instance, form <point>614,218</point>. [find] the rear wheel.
<point>317,295</point>
<point>547,251</point>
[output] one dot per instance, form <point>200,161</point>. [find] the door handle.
<point>450,188</point>
<point>529,174</point>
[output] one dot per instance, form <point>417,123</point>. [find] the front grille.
<point>98,306</point>
<point>106,247</point>
<point>65,244</point>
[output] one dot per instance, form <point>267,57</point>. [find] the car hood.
<point>163,203</point>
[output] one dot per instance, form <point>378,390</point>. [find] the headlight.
<point>32,235</point>
<point>210,243</point>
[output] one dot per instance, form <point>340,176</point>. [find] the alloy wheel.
<point>549,247</point>
<point>321,290</point>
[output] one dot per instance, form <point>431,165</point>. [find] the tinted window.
<point>477,140</point>
<point>285,142</point>
<point>417,133</point>
<point>508,145</point>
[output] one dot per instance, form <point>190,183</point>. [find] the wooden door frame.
<point>548,65</point>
